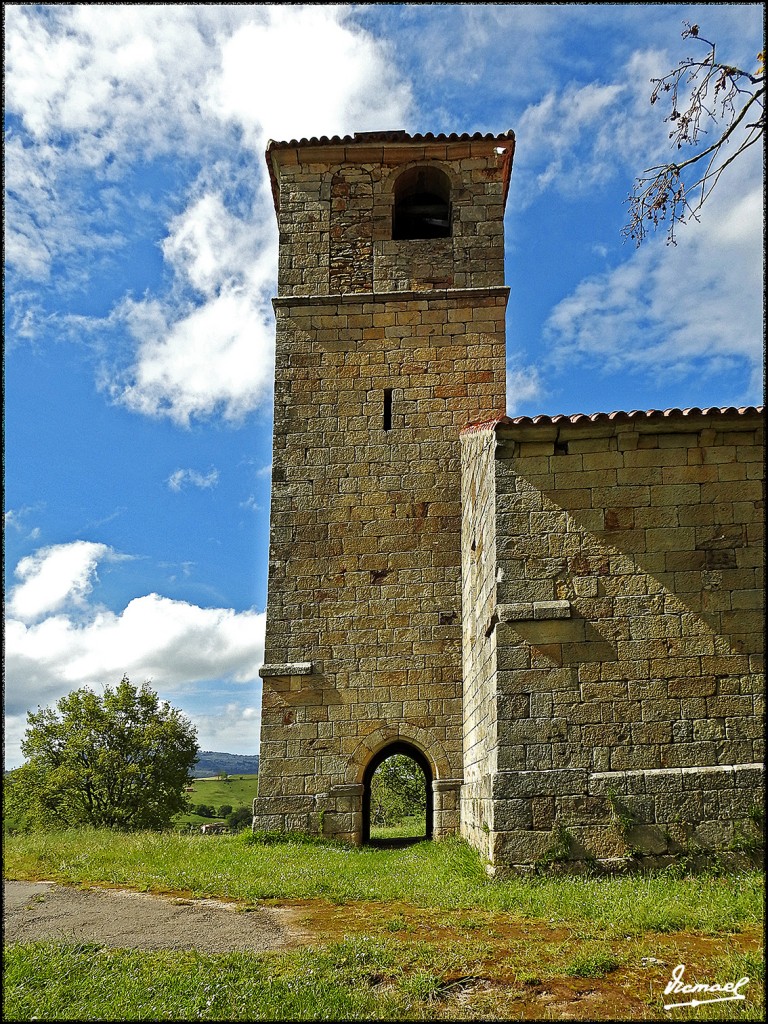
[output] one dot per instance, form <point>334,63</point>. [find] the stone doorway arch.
<point>409,750</point>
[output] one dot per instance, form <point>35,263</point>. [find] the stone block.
<point>749,776</point>
<point>647,839</point>
<point>582,810</point>
<point>596,841</point>
<point>635,757</point>
<point>680,807</point>
<point>542,813</point>
<point>663,781</point>
<point>657,733</point>
<point>526,784</point>
<point>689,755</point>
<point>511,814</point>
<point>518,847</point>
<point>538,756</point>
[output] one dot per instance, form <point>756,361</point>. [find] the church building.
<point>559,618</point>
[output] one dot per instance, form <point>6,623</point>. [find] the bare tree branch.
<point>721,95</point>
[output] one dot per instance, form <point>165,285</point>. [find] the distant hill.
<point>211,762</point>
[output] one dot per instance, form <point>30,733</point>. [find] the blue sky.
<point>141,256</point>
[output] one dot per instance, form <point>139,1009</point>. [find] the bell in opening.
<point>422,204</point>
<point>398,801</point>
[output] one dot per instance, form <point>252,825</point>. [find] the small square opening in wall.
<point>387,408</point>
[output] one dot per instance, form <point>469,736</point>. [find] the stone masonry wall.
<point>478,498</point>
<point>629,637</point>
<point>335,219</point>
<point>385,350</point>
<point>365,536</point>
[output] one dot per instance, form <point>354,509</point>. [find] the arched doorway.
<point>422,764</point>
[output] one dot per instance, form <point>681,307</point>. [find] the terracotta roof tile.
<point>390,136</point>
<point>613,417</point>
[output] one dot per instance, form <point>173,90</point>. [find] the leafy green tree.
<point>18,815</point>
<point>120,760</point>
<point>398,790</point>
<point>224,810</point>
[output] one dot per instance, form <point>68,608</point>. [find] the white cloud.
<point>217,358</point>
<point>694,308</point>
<point>177,480</point>
<point>88,97</point>
<point>580,135</point>
<point>524,385</point>
<point>183,649</point>
<point>208,346</point>
<point>173,643</point>
<point>111,86</point>
<point>266,69</point>
<point>211,248</point>
<point>152,637</point>
<point>15,518</point>
<point>233,726</point>
<point>55,576</point>
<point>42,223</point>
<point>93,100</point>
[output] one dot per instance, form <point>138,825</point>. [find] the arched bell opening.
<point>420,781</point>
<point>422,207</point>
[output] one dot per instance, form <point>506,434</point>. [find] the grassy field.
<point>413,934</point>
<point>412,827</point>
<point>235,790</point>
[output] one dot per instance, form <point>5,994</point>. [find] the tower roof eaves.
<point>396,137</point>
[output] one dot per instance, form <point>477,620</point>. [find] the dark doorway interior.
<point>409,751</point>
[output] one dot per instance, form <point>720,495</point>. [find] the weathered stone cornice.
<point>353,298</point>
<point>295,668</point>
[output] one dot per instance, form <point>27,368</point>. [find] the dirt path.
<point>40,911</point>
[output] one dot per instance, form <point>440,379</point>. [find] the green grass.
<point>409,828</point>
<point>359,978</point>
<point>592,963</point>
<point>386,971</point>
<point>445,874</point>
<point>54,981</point>
<point>236,790</point>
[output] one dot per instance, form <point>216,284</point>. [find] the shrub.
<point>240,818</point>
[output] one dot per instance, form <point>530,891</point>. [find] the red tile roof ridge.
<point>612,417</point>
<point>390,136</point>
<point>480,425</point>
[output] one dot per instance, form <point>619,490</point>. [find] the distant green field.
<point>237,790</point>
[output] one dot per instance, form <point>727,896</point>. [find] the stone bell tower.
<point>390,339</point>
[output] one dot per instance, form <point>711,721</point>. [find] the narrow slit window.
<point>387,408</point>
